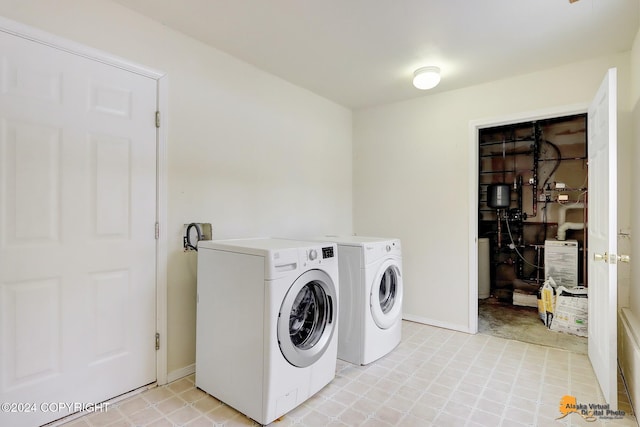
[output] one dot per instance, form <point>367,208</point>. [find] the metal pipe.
<point>499,229</point>
<point>536,158</point>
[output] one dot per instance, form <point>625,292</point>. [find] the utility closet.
<point>532,206</point>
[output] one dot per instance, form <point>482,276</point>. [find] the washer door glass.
<point>306,322</point>
<point>386,295</point>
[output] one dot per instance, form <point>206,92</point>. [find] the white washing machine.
<point>371,291</point>
<point>266,337</point>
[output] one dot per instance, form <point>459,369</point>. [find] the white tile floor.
<point>436,377</point>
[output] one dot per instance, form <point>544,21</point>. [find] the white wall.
<point>411,177</point>
<point>629,324</point>
<point>248,152</point>
<point>634,297</point>
<point>255,155</point>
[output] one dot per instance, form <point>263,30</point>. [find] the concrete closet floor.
<point>505,320</point>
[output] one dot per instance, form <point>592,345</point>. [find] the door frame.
<point>474,130</point>
<point>30,33</point>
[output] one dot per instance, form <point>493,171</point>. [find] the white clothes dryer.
<point>266,328</point>
<point>371,291</point>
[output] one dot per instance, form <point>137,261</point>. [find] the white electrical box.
<point>561,261</point>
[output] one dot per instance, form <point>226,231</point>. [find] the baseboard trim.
<point>181,373</point>
<point>437,323</point>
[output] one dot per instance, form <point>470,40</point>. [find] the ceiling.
<point>362,53</point>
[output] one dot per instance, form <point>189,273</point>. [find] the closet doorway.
<point>532,210</point>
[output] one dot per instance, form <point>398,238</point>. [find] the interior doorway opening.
<point>532,210</point>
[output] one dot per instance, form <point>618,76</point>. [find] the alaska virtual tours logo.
<point>589,412</point>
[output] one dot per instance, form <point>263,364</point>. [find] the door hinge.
<point>157,340</point>
<point>157,119</point>
<point>157,231</point>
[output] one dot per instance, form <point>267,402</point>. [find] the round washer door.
<point>386,295</point>
<point>307,318</point>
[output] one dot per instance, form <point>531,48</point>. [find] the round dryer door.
<point>386,295</point>
<point>306,322</point>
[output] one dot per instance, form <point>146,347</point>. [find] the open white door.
<point>602,243</point>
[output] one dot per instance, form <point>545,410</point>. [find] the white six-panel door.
<point>602,237</point>
<point>77,243</point>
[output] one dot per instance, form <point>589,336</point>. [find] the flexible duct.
<point>563,226</point>
<point>562,212</point>
<point>562,229</point>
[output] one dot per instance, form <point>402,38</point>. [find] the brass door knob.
<point>624,258</point>
<point>601,257</point>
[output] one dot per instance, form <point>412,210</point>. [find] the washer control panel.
<point>327,252</point>
<point>319,255</point>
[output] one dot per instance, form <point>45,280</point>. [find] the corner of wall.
<point>635,70</point>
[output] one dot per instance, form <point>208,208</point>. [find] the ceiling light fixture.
<point>426,77</point>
